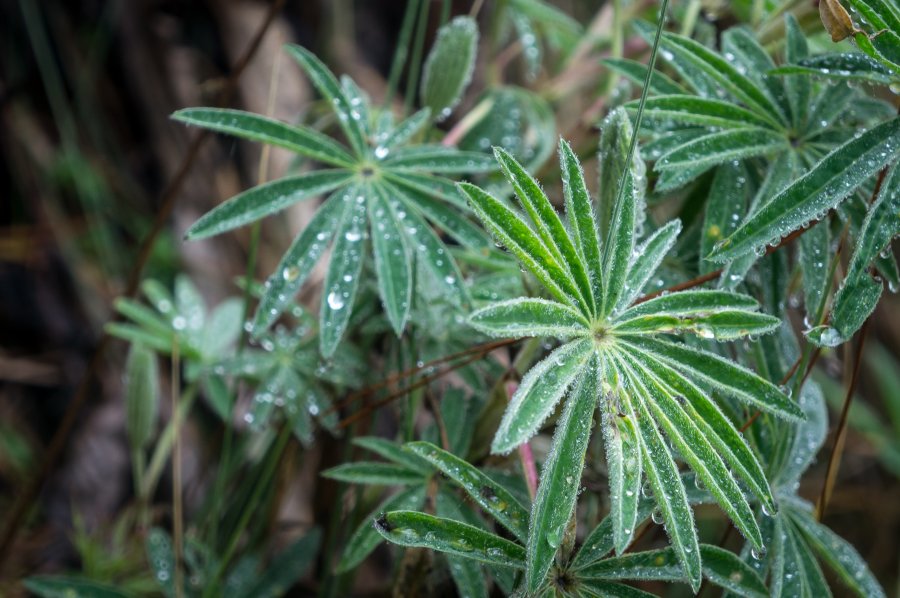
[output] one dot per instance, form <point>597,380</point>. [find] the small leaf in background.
<point>448,68</point>
<point>141,396</point>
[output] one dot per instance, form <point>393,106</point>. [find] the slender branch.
<point>177,506</point>
<point>397,376</point>
<point>403,391</point>
<point>24,500</point>
<point>834,459</point>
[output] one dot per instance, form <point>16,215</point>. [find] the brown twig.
<point>405,390</point>
<point>834,458</point>
<point>397,376</point>
<point>16,514</point>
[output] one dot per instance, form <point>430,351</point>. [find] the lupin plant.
<point>546,378</point>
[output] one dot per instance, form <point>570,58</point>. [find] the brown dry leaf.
<point>836,19</point>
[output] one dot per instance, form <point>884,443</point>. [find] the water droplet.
<point>758,553</point>
<point>335,301</point>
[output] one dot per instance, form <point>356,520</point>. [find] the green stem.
<point>166,441</point>
<point>415,64</point>
<point>409,17</point>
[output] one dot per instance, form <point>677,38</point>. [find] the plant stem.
<point>177,507</point>
<point>409,17</point>
<point>412,83</point>
<point>834,458</point>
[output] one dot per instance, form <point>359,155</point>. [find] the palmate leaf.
<point>382,184</point>
<point>816,192</point>
<point>658,387</point>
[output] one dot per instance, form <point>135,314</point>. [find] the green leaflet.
<point>405,130</point>
<point>431,253</point>
<point>264,200</point>
<point>881,14</point>
<point>448,68</point>
<point>509,228</point>
<point>724,146</point>
<point>694,110</point>
<point>342,279</point>
<point>365,538</point>
<point>561,478</point>
<point>846,66</point>
<point>582,221</point>
<point>839,554</point>
<point>668,489</point>
<point>443,216</point>
<point>141,396</point>
<point>623,457</point>
<point>721,373</point>
<point>725,205</point>
<point>393,263</point>
<point>615,140</point>
<point>246,125</point>
<point>816,192</point>
<point>409,528</point>
<point>548,223</point>
<point>393,452</point>
<point>371,472</point>
<point>815,258</point>
<point>859,293</point>
<point>59,586</point>
<point>488,494</point>
<point>347,110</point>
<point>740,47</point>
<point>298,261</point>
<point>648,257</point>
<point>696,449</point>
<point>541,389</point>
<point>691,303</point>
<point>628,195</point>
<point>798,88</point>
<point>516,318</point>
<point>723,325</point>
<point>722,72</point>
<point>440,159</point>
